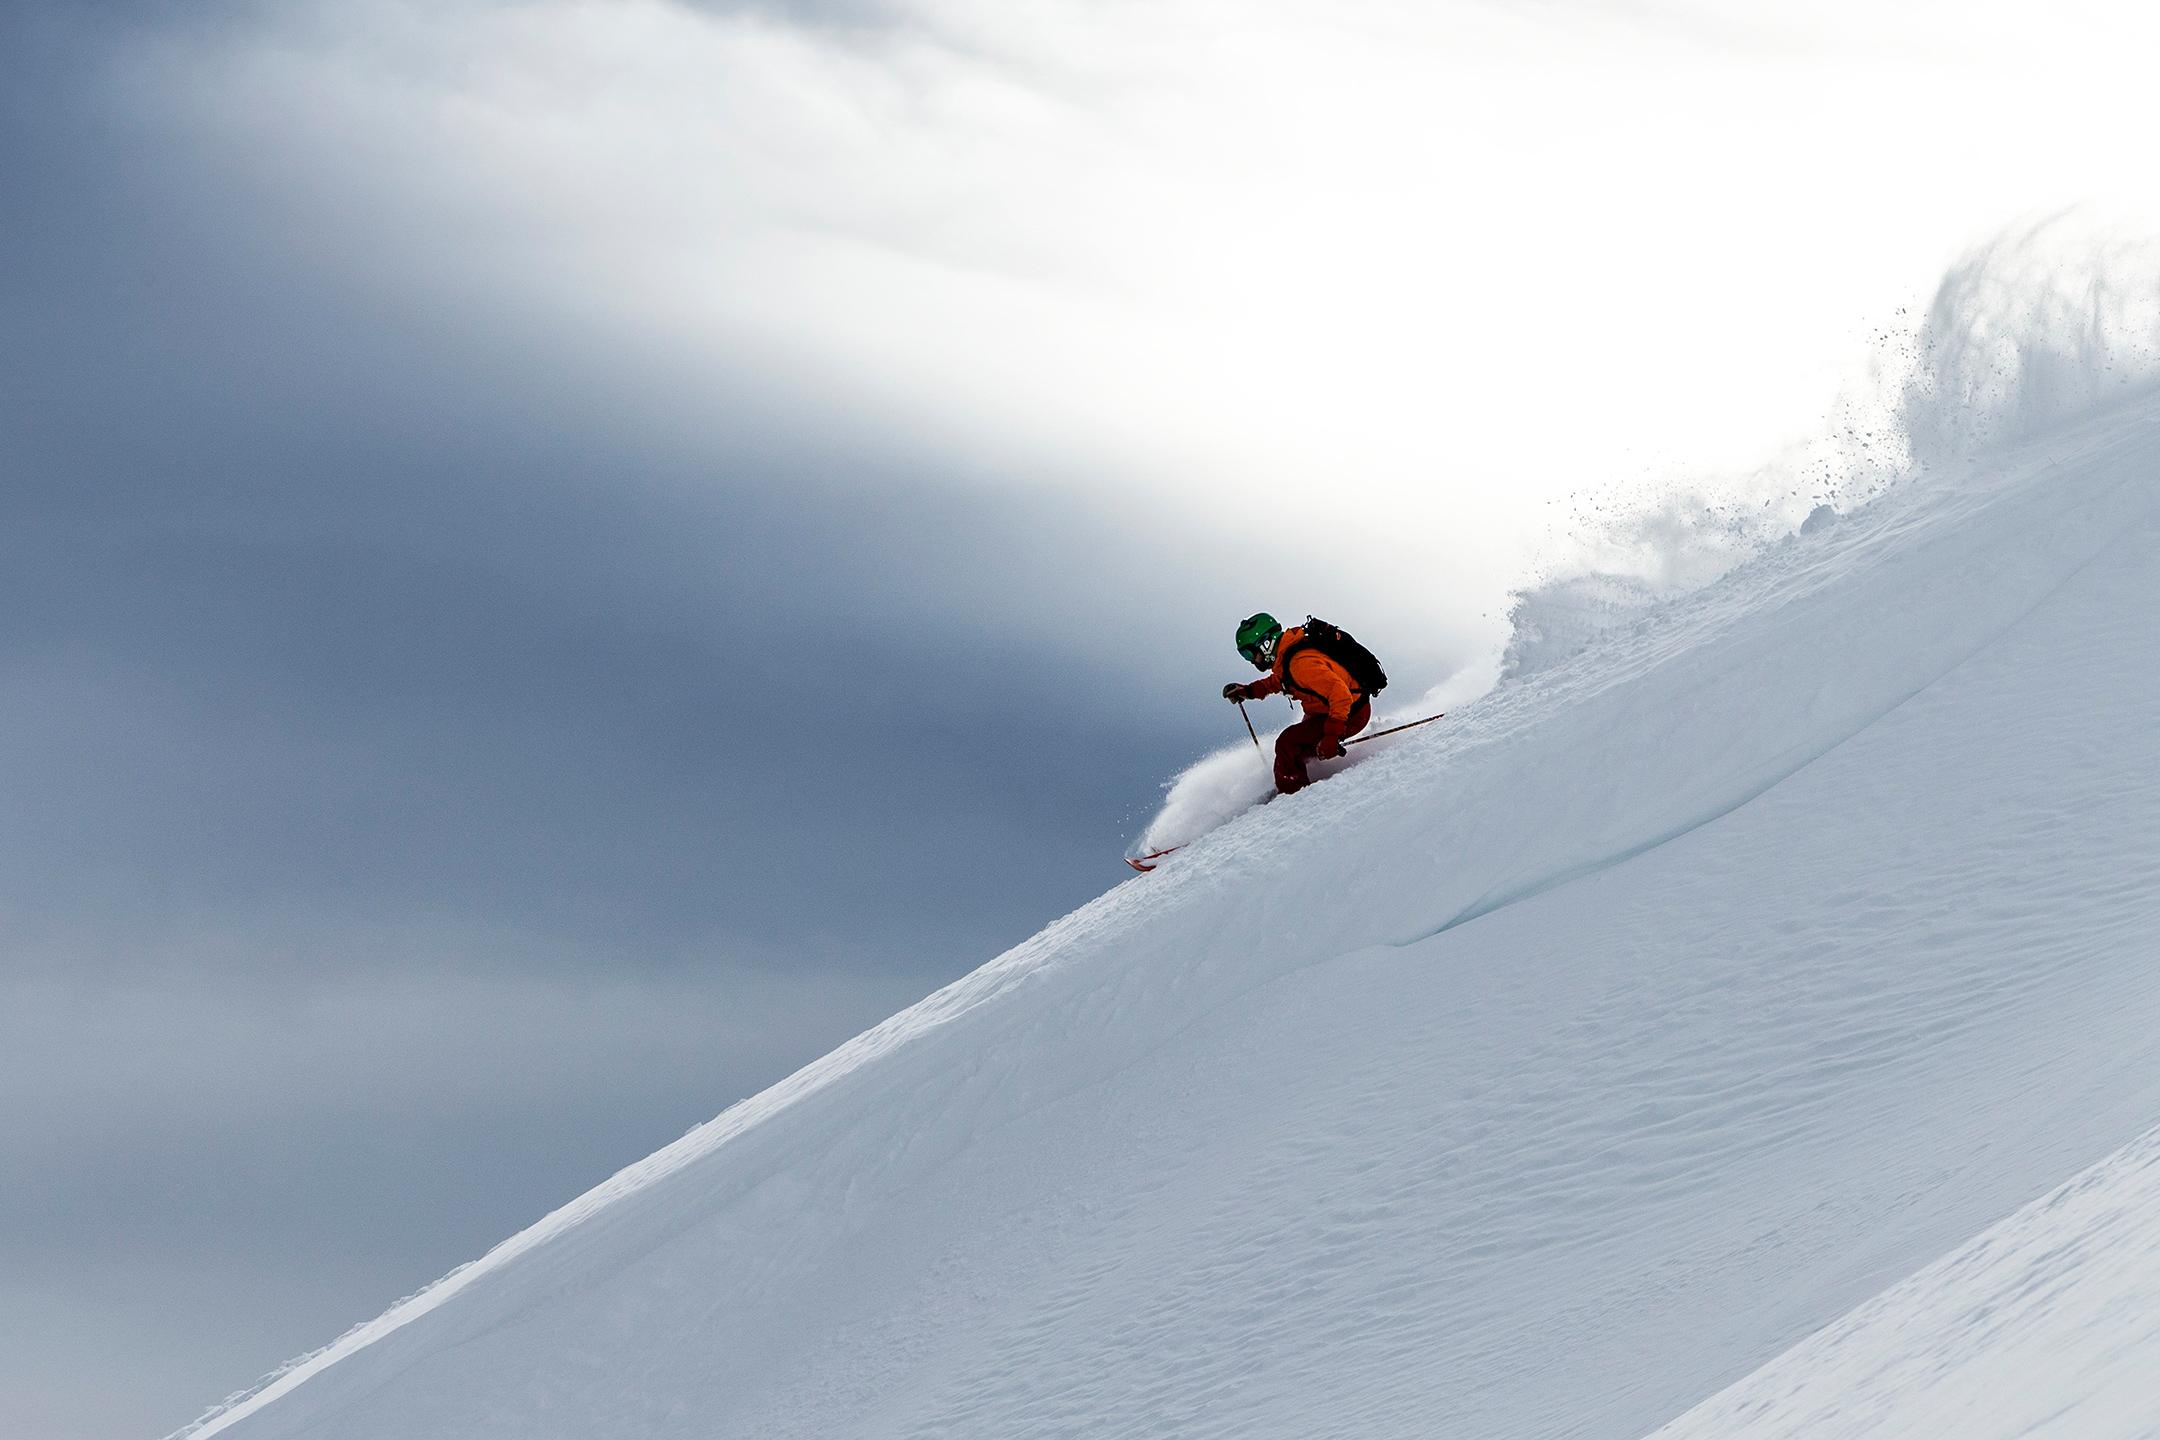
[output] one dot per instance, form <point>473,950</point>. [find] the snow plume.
<point>1633,552</point>
<point>1208,793</point>
<point>2048,321</point>
<point>2044,322</point>
<point>1219,787</point>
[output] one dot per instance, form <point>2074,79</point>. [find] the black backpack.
<point>1342,647</point>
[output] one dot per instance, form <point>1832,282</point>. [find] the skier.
<point>1325,671</point>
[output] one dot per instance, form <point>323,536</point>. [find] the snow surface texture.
<point>2048,1325</point>
<point>1541,1076</point>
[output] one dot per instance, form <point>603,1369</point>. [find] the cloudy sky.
<point>559,559</point>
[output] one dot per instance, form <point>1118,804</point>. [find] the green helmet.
<point>1256,639</point>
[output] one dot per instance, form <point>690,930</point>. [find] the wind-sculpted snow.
<point>1539,1076</point>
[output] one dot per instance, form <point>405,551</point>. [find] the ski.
<point>1145,863</point>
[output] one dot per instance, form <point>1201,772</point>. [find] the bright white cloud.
<point>1378,279</point>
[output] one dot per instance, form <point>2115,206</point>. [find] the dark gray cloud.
<point>320,601</point>
<point>429,780</point>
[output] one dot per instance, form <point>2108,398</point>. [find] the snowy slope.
<point>1543,1076</point>
<point>2047,1325</point>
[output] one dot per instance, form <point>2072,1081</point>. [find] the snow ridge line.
<point>932,1011</point>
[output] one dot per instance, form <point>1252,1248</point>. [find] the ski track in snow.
<point>1540,1076</point>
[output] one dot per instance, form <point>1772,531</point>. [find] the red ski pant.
<point>1301,741</point>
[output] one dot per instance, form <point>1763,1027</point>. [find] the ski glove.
<point>1235,691</point>
<point>1329,747</point>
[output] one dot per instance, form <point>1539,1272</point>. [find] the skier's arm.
<point>1264,687</point>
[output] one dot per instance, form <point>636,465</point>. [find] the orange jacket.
<point>1314,681</point>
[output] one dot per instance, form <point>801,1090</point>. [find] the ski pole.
<point>1252,732</point>
<point>1411,725</point>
